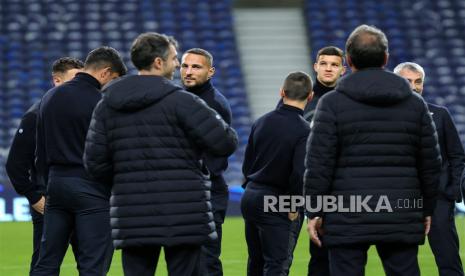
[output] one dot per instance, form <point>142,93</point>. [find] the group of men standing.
<point>133,159</point>
<point>371,135</point>
<point>139,161</point>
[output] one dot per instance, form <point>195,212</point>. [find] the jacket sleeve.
<point>20,160</point>
<point>225,112</point>
<point>97,157</point>
<point>218,165</point>
<point>205,126</point>
<point>429,162</point>
<point>454,152</point>
<point>249,156</point>
<point>41,162</point>
<point>298,167</point>
<point>321,155</point>
<point>462,181</point>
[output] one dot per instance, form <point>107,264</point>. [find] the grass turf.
<point>16,244</point>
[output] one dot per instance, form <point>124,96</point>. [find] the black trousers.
<point>210,263</point>
<point>295,229</point>
<point>38,226</point>
<point>74,207</point>
<point>267,234</point>
<point>444,241</point>
<point>319,262</point>
<point>397,259</point>
<point>181,260</point>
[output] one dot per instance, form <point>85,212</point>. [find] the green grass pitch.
<point>16,237</point>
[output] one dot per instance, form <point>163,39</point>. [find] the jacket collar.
<point>89,79</point>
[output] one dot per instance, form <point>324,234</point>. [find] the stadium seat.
<point>427,32</point>
<point>32,36</point>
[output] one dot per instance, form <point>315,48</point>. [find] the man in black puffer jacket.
<point>372,137</point>
<point>148,136</point>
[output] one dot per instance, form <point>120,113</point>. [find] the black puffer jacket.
<point>374,136</point>
<point>146,138</point>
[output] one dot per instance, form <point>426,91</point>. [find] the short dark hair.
<point>366,47</point>
<point>64,64</point>
<point>330,51</point>
<point>148,46</point>
<point>201,52</point>
<point>297,86</point>
<point>105,57</point>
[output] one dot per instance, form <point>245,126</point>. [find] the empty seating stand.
<point>33,33</point>
<point>428,32</point>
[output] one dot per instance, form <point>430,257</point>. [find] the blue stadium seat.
<point>32,36</point>
<point>433,38</point>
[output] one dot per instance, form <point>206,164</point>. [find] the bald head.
<point>367,46</point>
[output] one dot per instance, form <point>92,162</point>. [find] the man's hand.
<point>39,206</point>
<point>313,228</point>
<point>427,223</point>
<point>293,216</point>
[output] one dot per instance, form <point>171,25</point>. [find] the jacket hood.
<point>375,86</point>
<point>137,92</point>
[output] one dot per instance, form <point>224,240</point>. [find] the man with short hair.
<point>64,69</point>
<point>274,165</point>
<point>443,238</point>
<point>373,139</point>
<point>329,67</point>
<point>20,163</point>
<point>76,203</point>
<point>147,138</point>
<point>196,73</point>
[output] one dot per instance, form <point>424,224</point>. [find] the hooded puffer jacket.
<point>373,138</point>
<point>146,139</point>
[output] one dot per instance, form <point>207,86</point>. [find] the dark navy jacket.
<point>63,120</point>
<point>147,138</point>
<point>373,136</point>
<point>216,165</point>
<point>452,153</point>
<point>275,152</point>
<point>20,163</point>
